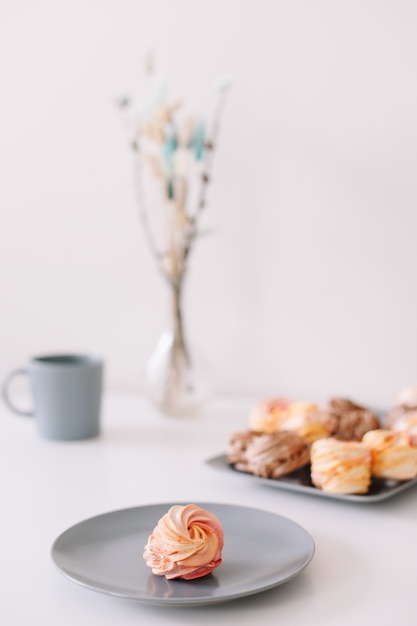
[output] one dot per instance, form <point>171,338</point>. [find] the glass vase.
<point>176,380</point>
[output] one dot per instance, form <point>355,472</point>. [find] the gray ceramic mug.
<point>67,390</point>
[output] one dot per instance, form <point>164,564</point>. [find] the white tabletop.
<point>363,570</point>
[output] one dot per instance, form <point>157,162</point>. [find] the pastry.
<point>267,415</point>
<point>406,421</point>
<point>339,405</point>
<point>276,414</point>
<point>340,466</point>
<point>309,429</point>
<point>186,543</point>
<point>392,454</point>
<point>354,424</point>
<point>404,408</point>
<point>236,449</point>
<point>305,419</point>
<point>300,409</point>
<point>394,416</point>
<point>326,418</point>
<point>407,397</point>
<point>352,421</point>
<point>272,455</point>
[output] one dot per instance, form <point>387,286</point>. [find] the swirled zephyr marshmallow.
<point>393,454</point>
<point>186,543</point>
<point>407,397</point>
<point>340,466</point>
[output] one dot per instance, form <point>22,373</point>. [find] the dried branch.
<point>172,261</point>
<point>158,255</point>
<point>206,175</point>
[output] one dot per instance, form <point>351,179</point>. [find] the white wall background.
<point>308,286</point>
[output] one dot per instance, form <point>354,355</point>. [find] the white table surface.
<point>363,571</point>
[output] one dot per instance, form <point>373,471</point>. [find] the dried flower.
<point>173,149</point>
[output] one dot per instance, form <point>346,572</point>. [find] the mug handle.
<point>5,392</point>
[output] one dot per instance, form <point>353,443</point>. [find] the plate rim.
<point>279,483</point>
<point>178,601</point>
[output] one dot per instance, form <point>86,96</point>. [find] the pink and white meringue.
<point>186,543</point>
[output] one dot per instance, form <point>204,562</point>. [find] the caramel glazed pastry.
<point>268,455</point>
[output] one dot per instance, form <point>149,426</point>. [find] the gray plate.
<point>104,553</point>
<point>300,482</point>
